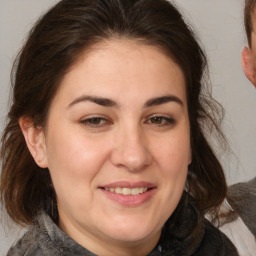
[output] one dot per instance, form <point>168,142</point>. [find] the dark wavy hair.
<point>249,8</point>
<point>53,46</point>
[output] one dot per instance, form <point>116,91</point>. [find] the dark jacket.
<point>45,238</point>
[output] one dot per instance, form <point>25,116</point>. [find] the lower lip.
<point>130,200</point>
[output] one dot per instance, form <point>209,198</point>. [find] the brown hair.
<point>248,12</point>
<point>53,45</point>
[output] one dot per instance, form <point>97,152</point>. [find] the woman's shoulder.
<point>27,245</point>
<point>45,238</point>
<point>194,236</point>
<point>188,233</point>
<point>35,240</point>
<point>212,242</point>
<point>215,242</point>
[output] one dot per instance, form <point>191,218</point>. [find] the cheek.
<point>72,149</point>
<point>173,160</point>
<point>74,161</point>
<point>175,154</point>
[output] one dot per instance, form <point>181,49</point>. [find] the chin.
<point>134,236</point>
<point>133,231</point>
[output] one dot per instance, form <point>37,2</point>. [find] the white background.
<point>218,23</point>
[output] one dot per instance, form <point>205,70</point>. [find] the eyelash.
<point>98,122</point>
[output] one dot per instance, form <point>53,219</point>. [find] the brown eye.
<point>157,120</point>
<point>161,120</point>
<point>95,122</point>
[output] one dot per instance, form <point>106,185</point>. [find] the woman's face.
<point>117,145</point>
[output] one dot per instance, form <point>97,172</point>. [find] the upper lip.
<point>126,184</point>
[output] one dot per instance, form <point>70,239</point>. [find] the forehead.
<point>123,63</point>
<point>112,51</point>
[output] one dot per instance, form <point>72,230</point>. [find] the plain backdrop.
<point>219,25</point>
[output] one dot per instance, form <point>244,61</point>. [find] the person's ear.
<point>248,65</point>
<point>35,140</point>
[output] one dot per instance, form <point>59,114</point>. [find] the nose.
<point>131,151</point>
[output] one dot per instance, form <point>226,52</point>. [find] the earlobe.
<point>247,64</point>
<point>35,140</point>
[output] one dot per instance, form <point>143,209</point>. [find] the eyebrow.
<point>110,103</point>
<point>162,100</point>
<point>98,100</point>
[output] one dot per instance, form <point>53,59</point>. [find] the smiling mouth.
<point>128,191</point>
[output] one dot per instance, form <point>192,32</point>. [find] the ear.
<point>248,65</point>
<point>35,140</point>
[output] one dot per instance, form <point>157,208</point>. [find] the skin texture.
<point>129,139</point>
<point>249,55</point>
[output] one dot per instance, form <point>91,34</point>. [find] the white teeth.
<point>135,191</point>
<point>118,190</point>
<point>128,191</point>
